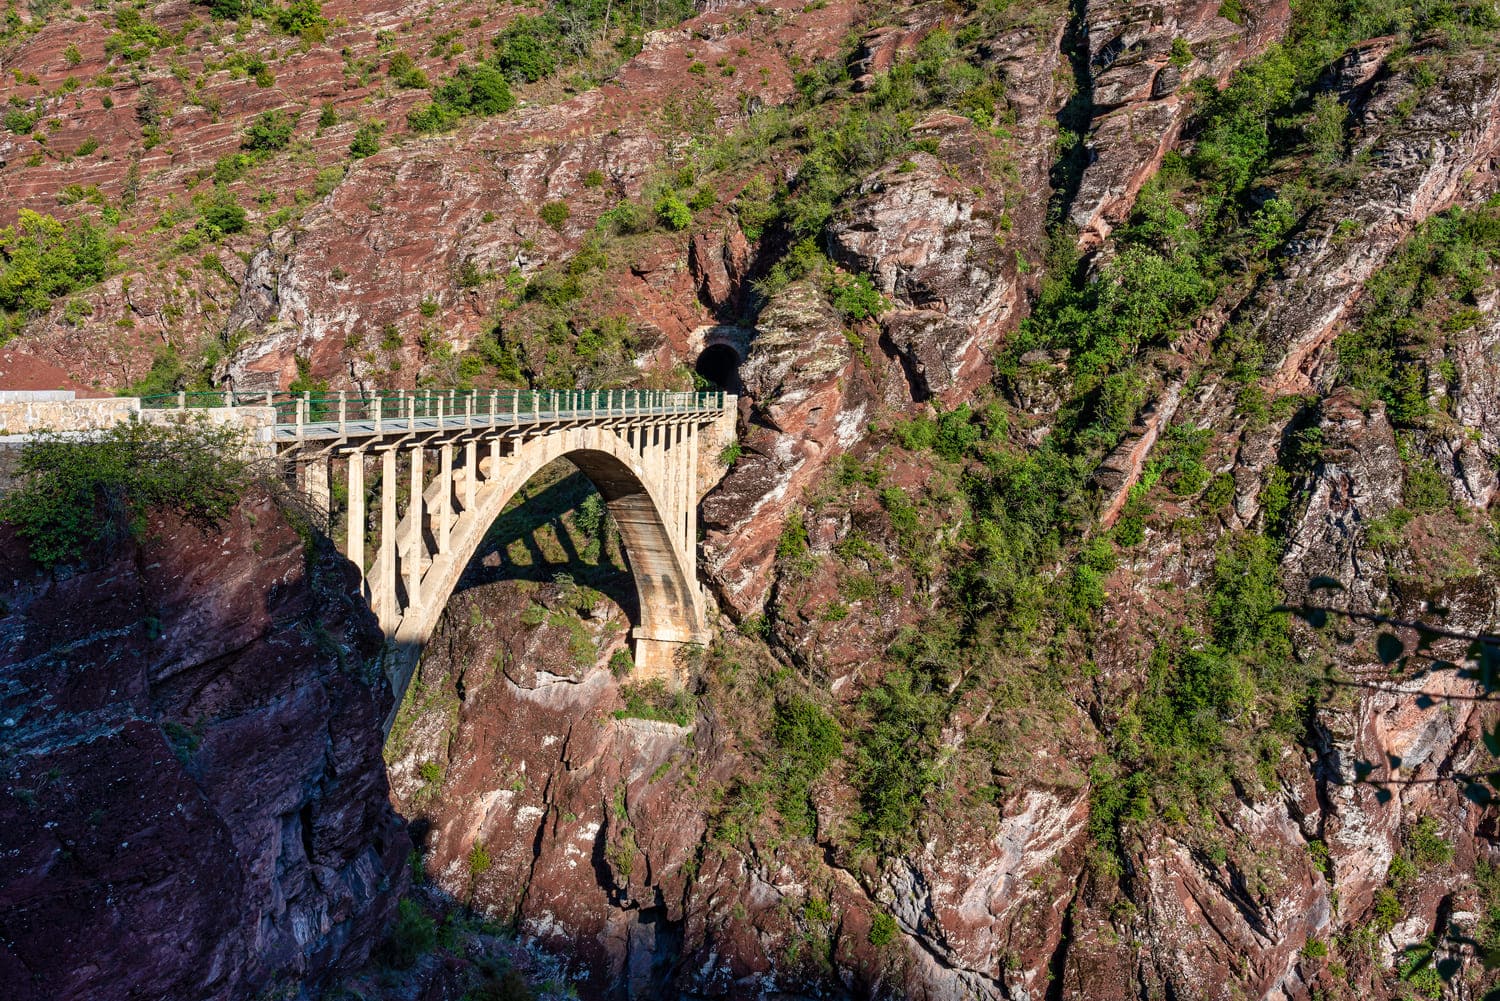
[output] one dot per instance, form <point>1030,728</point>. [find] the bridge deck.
<point>302,417</point>
<point>367,427</point>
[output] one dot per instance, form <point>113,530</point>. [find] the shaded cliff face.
<point>196,806</point>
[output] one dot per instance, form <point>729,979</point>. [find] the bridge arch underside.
<point>637,477</point>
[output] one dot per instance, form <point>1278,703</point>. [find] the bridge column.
<point>669,479</point>
<point>471,463</point>
<point>415,544</point>
<point>385,589</point>
<point>445,496</point>
<point>690,497</point>
<point>657,650</point>
<point>354,535</point>
<point>315,485</point>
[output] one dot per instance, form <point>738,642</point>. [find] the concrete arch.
<point>639,471</point>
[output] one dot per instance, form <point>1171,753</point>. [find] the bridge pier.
<point>354,532</point>
<point>657,652</point>
<point>318,490</point>
<point>383,589</point>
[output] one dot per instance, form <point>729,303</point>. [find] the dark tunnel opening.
<point>720,365</point>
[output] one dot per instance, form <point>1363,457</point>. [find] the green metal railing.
<point>484,406</point>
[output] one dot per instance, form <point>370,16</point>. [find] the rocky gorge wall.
<point>196,806</point>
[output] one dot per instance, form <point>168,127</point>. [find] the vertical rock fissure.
<point>1075,116</point>
<point>1058,961</point>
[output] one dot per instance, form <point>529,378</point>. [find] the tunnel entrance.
<point>720,365</point>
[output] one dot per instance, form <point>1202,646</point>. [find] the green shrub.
<point>301,17</point>
<point>41,259</point>
<point>895,758</point>
<point>405,73</point>
<point>554,214</point>
<point>526,51</point>
<point>78,496</point>
<point>883,930</point>
<point>366,140</point>
<point>413,936</point>
<point>432,117</point>
<point>271,131</point>
<point>223,215</point>
<point>1428,849</point>
<point>1386,910</point>
<point>807,741</point>
<point>673,212</point>
<point>479,859</point>
<point>228,169</point>
<point>858,299</point>
<point>653,700</point>
<point>477,90</point>
<point>227,9</point>
<point>21,120</point>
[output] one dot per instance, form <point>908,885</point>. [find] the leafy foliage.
<point>42,258</point>
<point>807,741</point>
<point>79,495</point>
<point>1424,292</point>
<point>269,132</point>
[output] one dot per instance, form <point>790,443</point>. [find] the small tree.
<point>271,131</point>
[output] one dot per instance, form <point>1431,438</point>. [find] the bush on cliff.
<point>42,258</point>
<point>80,494</point>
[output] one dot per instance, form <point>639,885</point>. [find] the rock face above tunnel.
<point>191,745</point>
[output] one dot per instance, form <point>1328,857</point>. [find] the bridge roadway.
<point>457,458</point>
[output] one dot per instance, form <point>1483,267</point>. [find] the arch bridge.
<point>448,463</point>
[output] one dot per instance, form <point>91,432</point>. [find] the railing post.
<point>379,413</point>
<point>469,409</point>
<point>270,400</point>
<point>440,402</point>
<point>228,398</point>
<point>515,406</point>
<point>301,416</point>
<point>181,400</point>
<point>343,414</point>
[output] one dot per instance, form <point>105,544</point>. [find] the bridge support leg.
<point>354,535</point>
<point>415,545</point>
<point>471,465</point>
<point>657,654</point>
<point>690,496</point>
<point>315,485</point>
<point>385,589</point>
<point>445,497</point>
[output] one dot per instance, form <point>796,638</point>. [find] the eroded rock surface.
<point>196,803</point>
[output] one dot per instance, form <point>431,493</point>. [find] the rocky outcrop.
<point>1426,146</point>
<point>810,397</point>
<point>195,799</point>
<point>1141,60</point>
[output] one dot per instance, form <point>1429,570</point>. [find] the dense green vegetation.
<point>533,47</point>
<point>78,496</point>
<point>42,259</point>
<point>1422,295</point>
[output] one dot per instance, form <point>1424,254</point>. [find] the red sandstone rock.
<point>196,797</point>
